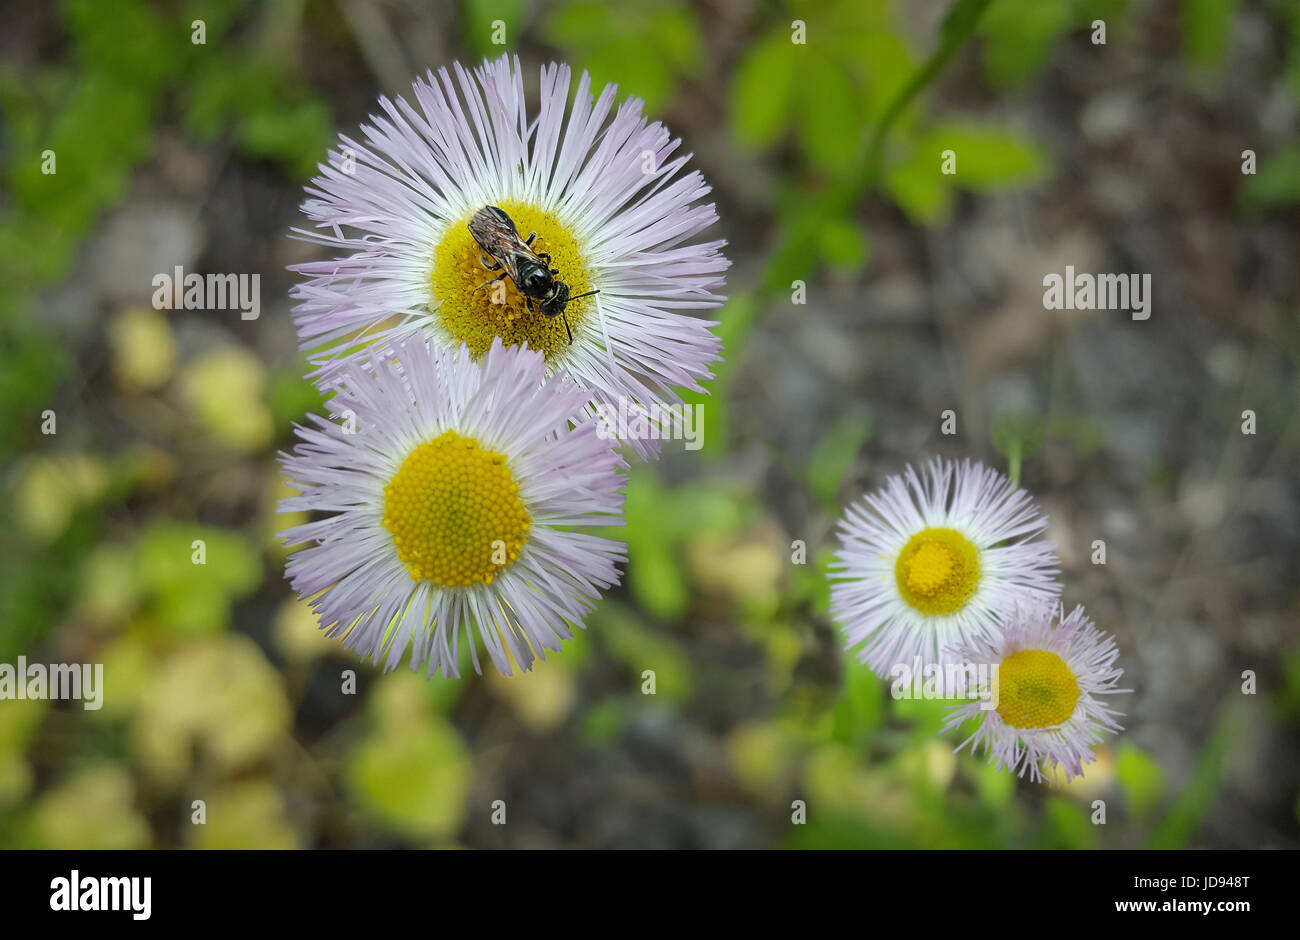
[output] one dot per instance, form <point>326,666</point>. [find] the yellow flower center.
<point>937,571</point>
<point>474,314</point>
<point>1036,689</point>
<point>454,512</point>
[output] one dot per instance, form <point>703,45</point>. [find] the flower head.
<point>598,190</point>
<point>1048,710</point>
<point>930,559</point>
<point>450,488</point>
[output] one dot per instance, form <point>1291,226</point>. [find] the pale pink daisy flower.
<point>931,559</point>
<point>601,186</point>
<point>1044,706</point>
<point>452,488</point>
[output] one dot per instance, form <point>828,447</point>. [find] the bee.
<point>531,271</point>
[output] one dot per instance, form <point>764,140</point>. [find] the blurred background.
<point>923,294</point>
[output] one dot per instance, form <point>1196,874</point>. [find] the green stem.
<point>957,27</point>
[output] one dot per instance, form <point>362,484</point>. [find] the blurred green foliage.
<point>647,49</point>
<point>1018,37</point>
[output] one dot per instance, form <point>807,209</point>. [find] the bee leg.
<point>495,280</point>
<point>529,240</point>
<point>529,301</point>
<point>484,259</point>
<point>545,257</point>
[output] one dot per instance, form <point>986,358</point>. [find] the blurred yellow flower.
<point>143,348</point>
<point>297,633</point>
<point>218,693</point>
<point>48,490</point>
<point>223,389</point>
<point>541,699</point>
<point>248,814</point>
<point>93,810</point>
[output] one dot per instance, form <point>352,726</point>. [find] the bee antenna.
<point>565,317</point>
<point>588,294</point>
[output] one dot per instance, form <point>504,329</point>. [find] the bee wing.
<point>494,230</point>
<point>496,234</point>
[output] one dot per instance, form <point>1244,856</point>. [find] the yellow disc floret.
<point>474,314</point>
<point>1036,689</point>
<point>937,571</point>
<point>454,512</point>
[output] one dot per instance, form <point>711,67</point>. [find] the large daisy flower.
<point>601,189</point>
<point>930,559</point>
<point>1044,704</point>
<point>450,488</point>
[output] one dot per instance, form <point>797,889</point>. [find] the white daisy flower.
<point>930,559</point>
<point>451,487</point>
<point>599,186</point>
<point>1044,707</point>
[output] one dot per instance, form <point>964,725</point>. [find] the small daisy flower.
<point>598,188</point>
<point>930,559</point>
<point>451,488</point>
<point>1044,707</point>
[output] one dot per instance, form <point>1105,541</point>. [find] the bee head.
<point>559,298</point>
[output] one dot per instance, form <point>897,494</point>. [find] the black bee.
<point>531,271</point>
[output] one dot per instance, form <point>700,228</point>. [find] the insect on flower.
<point>531,271</point>
<point>572,167</point>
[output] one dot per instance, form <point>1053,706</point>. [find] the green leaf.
<point>987,157</point>
<point>602,723</point>
<point>1018,431</point>
<point>763,91</point>
<point>830,116</point>
<point>926,715</point>
<point>842,244</point>
<point>887,61</point>
<point>995,786</point>
<point>1277,181</point>
<point>860,709</point>
<point>836,451</point>
<point>414,780</point>
<point>961,20</point>
<point>1019,36</point>
<point>643,49</point>
<point>1184,817</point>
<point>1069,824</point>
<point>656,580</point>
<point>920,190</point>
<point>581,24</point>
<point>736,318</point>
<point>1207,29</point>
<point>1017,436</point>
<point>635,644</point>
<point>477,17</point>
<point>1140,777</point>
<point>189,597</point>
